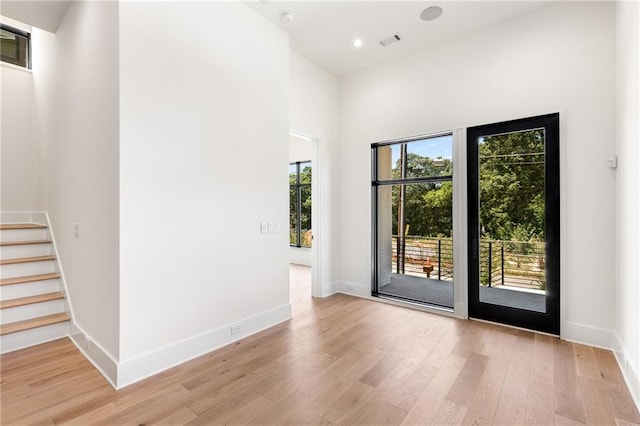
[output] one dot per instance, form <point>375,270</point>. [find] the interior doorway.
<point>304,220</point>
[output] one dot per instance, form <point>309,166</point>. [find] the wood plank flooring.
<point>340,360</point>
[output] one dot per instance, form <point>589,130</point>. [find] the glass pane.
<point>512,228</point>
<point>430,157</point>
<point>305,172</point>
<point>305,217</point>
<point>14,48</point>
<point>417,263</point>
<point>293,216</point>
<point>293,174</point>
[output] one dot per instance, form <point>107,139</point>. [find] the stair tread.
<point>26,259</point>
<point>29,279</point>
<point>22,301</point>
<point>23,243</point>
<point>15,327</point>
<point>4,226</point>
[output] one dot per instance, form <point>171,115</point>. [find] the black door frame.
<point>549,321</point>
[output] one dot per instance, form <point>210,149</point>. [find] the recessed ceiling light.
<point>357,43</point>
<point>431,13</point>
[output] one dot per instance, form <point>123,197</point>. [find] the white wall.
<point>203,160</point>
<point>559,58</point>
<point>628,184</point>
<point>313,112</point>
<point>75,76</point>
<point>17,147</point>
<point>300,150</point>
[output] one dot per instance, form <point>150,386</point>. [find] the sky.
<point>441,146</point>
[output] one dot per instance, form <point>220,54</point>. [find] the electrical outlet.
<point>76,230</point>
<point>273,227</point>
<point>236,329</point>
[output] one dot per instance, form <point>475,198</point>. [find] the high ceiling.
<point>323,31</point>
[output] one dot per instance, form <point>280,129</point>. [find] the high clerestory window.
<point>300,234</point>
<point>15,46</point>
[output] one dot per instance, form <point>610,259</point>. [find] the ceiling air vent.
<point>390,40</point>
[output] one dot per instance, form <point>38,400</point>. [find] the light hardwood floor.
<point>340,360</point>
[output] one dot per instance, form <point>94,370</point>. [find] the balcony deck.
<point>440,293</point>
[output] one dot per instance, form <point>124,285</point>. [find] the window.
<point>15,46</point>
<point>300,234</point>
<point>413,220</point>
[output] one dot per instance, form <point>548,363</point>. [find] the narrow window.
<point>15,46</point>
<point>300,233</point>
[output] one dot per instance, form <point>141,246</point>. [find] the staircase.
<point>32,301</point>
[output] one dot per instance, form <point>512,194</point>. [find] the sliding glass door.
<point>514,222</point>
<point>412,195</point>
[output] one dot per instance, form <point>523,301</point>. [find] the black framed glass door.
<point>514,222</point>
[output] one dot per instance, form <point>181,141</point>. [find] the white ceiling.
<point>44,14</point>
<point>323,31</point>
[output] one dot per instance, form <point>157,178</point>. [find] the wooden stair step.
<point>29,279</point>
<point>23,243</point>
<point>22,301</point>
<point>4,226</point>
<point>26,259</point>
<point>29,324</point>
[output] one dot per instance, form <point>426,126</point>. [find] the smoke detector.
<point>390,40</point>
<point>286,16</point>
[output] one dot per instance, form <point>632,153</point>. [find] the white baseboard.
<point>329,289</point>
<point>101,359</point>
<point>629,370</point>
<point>354,289</point>
<point>141,367</point>
<point>587,335</point>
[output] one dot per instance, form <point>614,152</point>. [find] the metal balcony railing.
<point>502,263</point>
<point>417,252</point>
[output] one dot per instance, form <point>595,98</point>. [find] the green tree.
<point>428,206</point>
<point>512,186</point>
<point>305,200</point>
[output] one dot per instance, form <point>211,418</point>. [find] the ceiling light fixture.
<point>431,13</point>
<point>357,43</point>
<point>286,16</point>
